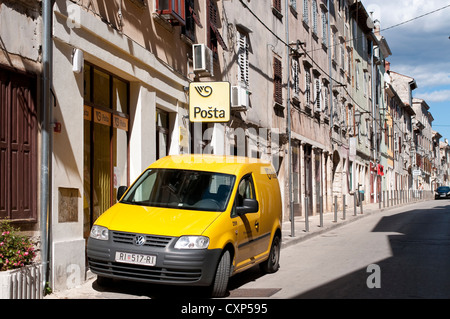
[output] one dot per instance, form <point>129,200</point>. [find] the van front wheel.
<point>272,263</point>
<point>220,284</point>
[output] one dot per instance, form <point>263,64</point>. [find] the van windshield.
<point>181,189</point>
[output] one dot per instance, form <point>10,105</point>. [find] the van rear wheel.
<point>272,263</point>
<point>220,283</point>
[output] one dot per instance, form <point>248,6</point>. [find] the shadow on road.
<point>419,266</point>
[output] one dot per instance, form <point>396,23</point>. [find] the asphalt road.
<point>403,252</point>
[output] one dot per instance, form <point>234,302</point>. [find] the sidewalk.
<point>86,290</point>
<point>329,222</point>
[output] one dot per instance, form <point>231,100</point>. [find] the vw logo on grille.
<point>139,240</point>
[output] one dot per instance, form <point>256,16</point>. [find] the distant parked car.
<point>442,192</point>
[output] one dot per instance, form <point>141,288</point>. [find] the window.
<point>172,10</point>
<point>357,76</point>
<point>318,89</point>
<point>243,63</point>
<point>214,36</point>
<point>295,77</point>
<point>184,189</point>
<point>191,20</point>
<point>277,81</point>
<point>314,16</point>
<point>324,29</point>
<point>305,12</point>
<point>325,99</point>
<point>277,5</point>
<point>293,4</point>
<point>246,190</point>
<point>365,83</point>
<point>307,87</point>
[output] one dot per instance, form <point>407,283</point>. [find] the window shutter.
<point>277,5</point>
<point>277,71</point>
<point>308,87</point>
<point>305,11</point>
<point>318,96</point>
<point>314,16</point>
<point>214,35</point>
<point>295,76</point>
<point>243,63</point>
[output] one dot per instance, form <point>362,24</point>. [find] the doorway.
<point>106,153</point>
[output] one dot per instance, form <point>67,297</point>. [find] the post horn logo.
<point>204,91</point>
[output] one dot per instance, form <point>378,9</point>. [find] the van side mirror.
<point>120,191</point>
<point>249,206</point>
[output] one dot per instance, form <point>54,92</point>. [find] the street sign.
<point>209,102</point>
<point>416,172</point>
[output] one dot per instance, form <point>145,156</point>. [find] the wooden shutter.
<point>277,5</point>
<point>277,80</point>
<point>18,131</point>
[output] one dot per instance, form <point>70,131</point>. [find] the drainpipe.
<point>330,70</point>
<point>288,108</point>
<point>374,121</point>
<point>47,56</point>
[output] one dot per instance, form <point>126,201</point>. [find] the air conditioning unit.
<point>203,60</point>
<point>239,98</point>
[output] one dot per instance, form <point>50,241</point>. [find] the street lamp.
<point>358,116</point>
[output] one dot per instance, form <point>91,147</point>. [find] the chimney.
<point>387,65</point>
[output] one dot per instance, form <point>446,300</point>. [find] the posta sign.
<point>209,102</point>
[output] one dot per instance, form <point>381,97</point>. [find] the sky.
<point>420,49</point>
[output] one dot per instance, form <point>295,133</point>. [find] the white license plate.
<point>138,259</point>
<point>443,195</point>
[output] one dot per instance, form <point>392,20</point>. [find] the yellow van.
<point>191,220</point>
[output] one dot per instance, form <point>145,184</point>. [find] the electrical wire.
<point>343,85</point>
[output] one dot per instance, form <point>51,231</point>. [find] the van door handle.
<point>257,224</point>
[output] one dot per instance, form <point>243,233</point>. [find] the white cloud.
<point>435,96</point>
<point>427,74</point>
<point>391,13</point>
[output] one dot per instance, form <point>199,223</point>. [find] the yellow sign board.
<point>209,102</point>
<point>102,117</point>
<point>120,122</point>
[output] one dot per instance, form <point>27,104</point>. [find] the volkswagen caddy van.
<point>191,220</point>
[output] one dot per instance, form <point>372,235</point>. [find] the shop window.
<point>106,118</point>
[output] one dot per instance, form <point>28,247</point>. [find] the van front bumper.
<point>173,266</point>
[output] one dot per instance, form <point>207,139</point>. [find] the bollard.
<point>361,207</point>
<point>392,198</point>
<point>384,199</point>
<point>306,214</point>
<point>321,211</point>
<point>354,204</point>
<point>387,198</point>
<point>335,209</point>
<point>379,200</point>
<point>343,207</point>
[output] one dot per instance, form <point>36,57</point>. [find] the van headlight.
<point>192,242</point>
<point>99,232</point>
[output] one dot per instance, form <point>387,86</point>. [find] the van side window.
<point>246,190</point>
